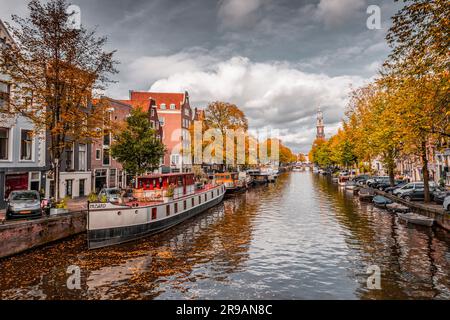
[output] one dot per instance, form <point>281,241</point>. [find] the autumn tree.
<point>137,147</point>
<point>417,69</point>
<point>55,68</point>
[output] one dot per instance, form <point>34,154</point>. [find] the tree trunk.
<point>56,178</point>
<point>391,175</point>
<point>426,176</point>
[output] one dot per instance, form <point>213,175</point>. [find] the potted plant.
<point>168,195</point>
<point>60,208</point>
<point>92,197</point>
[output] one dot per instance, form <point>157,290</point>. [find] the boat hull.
<point>104,237</point>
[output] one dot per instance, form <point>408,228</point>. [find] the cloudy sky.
<point>278,60</point>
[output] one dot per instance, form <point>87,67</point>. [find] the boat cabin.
<point>155,186</point>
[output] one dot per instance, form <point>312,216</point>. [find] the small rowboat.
<point>416,219</point>
<point>381,201</point>
<point>366,194</point>
<point>397,207</point>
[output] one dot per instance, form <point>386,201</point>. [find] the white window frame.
<point>31,147</point>
<point>8,145</point>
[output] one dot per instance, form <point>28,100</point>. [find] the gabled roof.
<point>159,97</point>
<point>4,33</point>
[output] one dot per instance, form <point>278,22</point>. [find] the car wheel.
<point>407,198</point>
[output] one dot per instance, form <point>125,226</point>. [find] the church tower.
<point>320,126</point>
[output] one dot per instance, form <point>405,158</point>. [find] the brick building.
<point>175,117</point>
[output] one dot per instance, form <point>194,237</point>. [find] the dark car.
<point>416,194</point>
<point>391,189</point>
<point>439,195</point>
<point>23,205</point>
<point>384,185</point>
<point>361,179</point>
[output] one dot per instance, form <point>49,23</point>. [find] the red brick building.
<point>175,117</point>
<point>106,171</point>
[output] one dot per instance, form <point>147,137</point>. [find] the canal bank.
<point>440,216</point>
<point>19,236</point>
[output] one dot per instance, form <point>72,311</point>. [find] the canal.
<point>301,238</point>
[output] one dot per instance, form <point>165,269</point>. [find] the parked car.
<point>372,181</point>
<point>383,185</point>
<point>23,204</point>
<point>400,185</point>
<point>412,185</point>
<point>361,179</point>
<point>111,194</point>
<point>446,203</point>
<point>416,193</point>
<point>439,195</point>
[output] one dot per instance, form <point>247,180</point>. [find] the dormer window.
<point>172,106</point>
<point>163,106</point>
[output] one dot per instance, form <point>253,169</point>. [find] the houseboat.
<point>160,202</point>
<point>231,182</point>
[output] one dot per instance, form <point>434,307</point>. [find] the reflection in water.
<point>302,238</point>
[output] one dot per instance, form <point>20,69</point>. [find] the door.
<point>82,187</point>
<point>15,182</point>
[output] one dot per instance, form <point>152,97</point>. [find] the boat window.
<point>168,210</point>
<point>206,197</point>
<point>176,207</point>
<point>193,202</point>
<point>184,205</point>
<point>154,213</point>
<point>199,199</point>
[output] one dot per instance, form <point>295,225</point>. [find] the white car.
<point>446,204</point>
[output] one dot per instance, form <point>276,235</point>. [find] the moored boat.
<point>416,219</point>
<point>381,201</point>
<point>397,207</point>
<point>366,194</point>
<point>231,181</point>
<point>162,202</point>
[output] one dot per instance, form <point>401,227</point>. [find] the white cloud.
<point>235,13</point>
<point>272,94</point>
<point>336,12</point>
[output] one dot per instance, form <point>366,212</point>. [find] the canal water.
<point>301,238</point>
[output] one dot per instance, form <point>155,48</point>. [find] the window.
<point>184,205</point>
<point>162,121</point>
<point>168,210</point>
<point>192,202</point>
<point>172,106</point>
<point>186,112</point>
<point>4,94</point>
<point>26,145</point>
<point>107,139</point>
<point>199,199</point>
<point>176,207</point>
<point>98,154</point>
<point>152,124</point>
<point>106,157</point>
<point>175,159</point>
<point>163,106</point>
<point>82,148</point>
<point>4,144</point>
<point>69,158</point>
<point>152,112</point>
<point>69,188</point>
<point>112,178</point>
<point>154,213</point>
